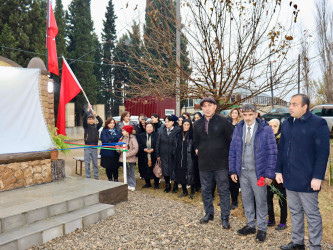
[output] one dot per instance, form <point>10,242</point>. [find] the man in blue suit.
<point>302,160</point>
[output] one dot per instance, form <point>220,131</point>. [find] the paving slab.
<point>21,200</point>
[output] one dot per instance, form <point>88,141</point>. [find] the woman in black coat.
<point>186,172</point>
<point>165,150</point>
<point>147,156</point>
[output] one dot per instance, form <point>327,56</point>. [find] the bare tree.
<point>324,28</point>
<point>232,44</point>
<point>305,61</point>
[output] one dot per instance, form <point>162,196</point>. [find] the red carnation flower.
<point>261,182</point>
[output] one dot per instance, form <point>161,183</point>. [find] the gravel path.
<point>148,222</point>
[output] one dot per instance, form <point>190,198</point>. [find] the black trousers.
<point>234,191</point>
<point>221,177</point>
<point>112,172</point>
<point>282,203</point>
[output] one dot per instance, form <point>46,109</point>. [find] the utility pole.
<point>178,58</point>
<point>272,94</point>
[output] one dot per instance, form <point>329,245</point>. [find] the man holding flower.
<point>252,159</point>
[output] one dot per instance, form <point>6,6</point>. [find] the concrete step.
<point>44,230</point>
<point>29,205</point>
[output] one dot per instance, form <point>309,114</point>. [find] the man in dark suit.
<point>212,137</point>
<point>302,160</point>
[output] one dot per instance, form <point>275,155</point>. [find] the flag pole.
<point>47,34</point>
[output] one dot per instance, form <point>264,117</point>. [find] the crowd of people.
<point>238,152</point>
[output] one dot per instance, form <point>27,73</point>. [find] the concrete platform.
<point>34,215</point>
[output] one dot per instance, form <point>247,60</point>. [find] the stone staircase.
<point>35,215</point>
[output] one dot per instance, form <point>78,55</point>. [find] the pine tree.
<point>81,47</point>
<point>25,20</point>
<point>135,54</point>
<point>121,72</point>
<point>108,39</point>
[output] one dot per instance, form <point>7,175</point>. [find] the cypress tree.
<point>108,39</point>
<point>81,47</point>
<point>160,21</point>
<point>121,72</point>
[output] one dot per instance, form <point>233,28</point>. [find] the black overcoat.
<point>186,171</point>
<point>166,148</point>
<point>213,147</point>
<point>147,172</point>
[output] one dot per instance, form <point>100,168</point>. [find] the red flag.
<point>51,33</point>
<point>70,87</point>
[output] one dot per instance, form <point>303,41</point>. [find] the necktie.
<point>248,135</point>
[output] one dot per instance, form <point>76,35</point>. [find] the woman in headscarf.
<point>147,156</point>
<point>186,171</point>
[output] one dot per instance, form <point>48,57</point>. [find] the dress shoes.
<point>246,230</point>
<point>261,236</point>
<point>192,196</point>
<point>225,223</point>
<point>207,218</point>
<point>293,246</point>
<point>146,186</point>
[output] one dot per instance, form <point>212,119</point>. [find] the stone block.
<point>114,195</point>
<point>24,165</point>
<point>12,222</point>
<point>20,183</point>
<point>75,204</point>
<point>91,199</point>
<point>9,181</point>
<point>26,242</point>
<point>38,178</point>
<point>73,225</point>
<point>2,187</point>
<point>27,172</point>
<point>57,209</point>
<point>3,169</point>
<point>36,215</point>
<point>90,219</point>
<point>19,174</point>
<point>29,181</point>
<point>37,169</point>
<point>9,246</point>
<point>7,174</point>
<point>14,166</point>
<point>106,213</point>
<point>52,233</point>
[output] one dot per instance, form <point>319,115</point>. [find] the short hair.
<point>123,115</point>
<point>274,120</point>
<point>155,115</point>
<point>305,99</point>
<point>248,107</point>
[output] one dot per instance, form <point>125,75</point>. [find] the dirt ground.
<point>325,196</point>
